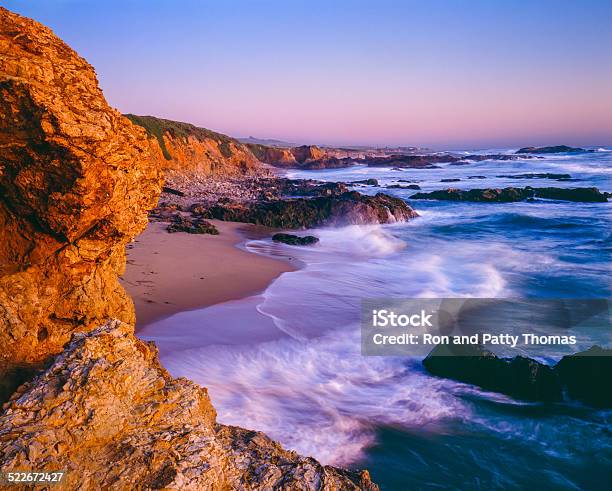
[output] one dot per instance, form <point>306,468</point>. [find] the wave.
<point>320,398</point>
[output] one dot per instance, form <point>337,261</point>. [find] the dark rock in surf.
<point>553,149</point>
<point>586,376</point>
<point>454,179</point>
<point>367,182</point>
<point>518,377</point>
<point>508,195</point>
<point>546,175</point>
<point>295,239</point>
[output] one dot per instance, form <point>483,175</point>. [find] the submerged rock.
<point>450,179</point>
<point>295,239</point>
<point>518,377</point>
<point>586,376</point>
<point>510,194</point>
<point>106,399</point>
<point>346,209</point>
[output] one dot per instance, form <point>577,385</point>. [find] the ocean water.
<point>306,384</point>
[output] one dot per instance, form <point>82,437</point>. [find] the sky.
<point>437,73</point>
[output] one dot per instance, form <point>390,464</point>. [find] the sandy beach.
<point>170,273</point>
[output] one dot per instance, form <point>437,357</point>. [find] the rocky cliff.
<point>76,181</point>
<point>288,157</point>
<point>185,148</point>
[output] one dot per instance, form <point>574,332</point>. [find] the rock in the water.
<point>76,181</point>
<point>507,195</point>
<point>106,399</point>
<point>519,377</point>
<point>450,179</point>
<point>586,376</point>
<point>346,209</point>
<point>399,186</point>
<point>531,175</point>
<point>553,149</point>
<point>367,182</point>
<point>295,239</point>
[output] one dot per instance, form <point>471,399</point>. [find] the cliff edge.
<point>76,181</point>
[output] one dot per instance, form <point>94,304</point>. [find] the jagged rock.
<point>180,223</point>
<point>519,377</point>
<point>507,195</point>
<point>553,149</point>
<point>348,208</point>
<point>76,181</point>
<point>110,416</point>
<point>586,376</point>
<point>295,239</point>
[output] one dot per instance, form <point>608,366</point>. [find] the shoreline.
<point>168,273</point>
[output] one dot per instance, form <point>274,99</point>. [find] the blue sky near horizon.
<point>440,73</point>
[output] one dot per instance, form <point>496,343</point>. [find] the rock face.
<point>350,208</point>
<point>106,399</point>
<point>507,195</point>
<point>586,376</point>
<point>554,149</point>
<point>519,377</point>
<point>185,148</point>
<point>76,181</point>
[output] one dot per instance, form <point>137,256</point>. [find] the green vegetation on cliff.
<point>157,127</point>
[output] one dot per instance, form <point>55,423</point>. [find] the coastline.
<point>170,273</point>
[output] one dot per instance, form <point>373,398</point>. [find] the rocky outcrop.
<point>553,149</point>
<point>110,416</point>
<point>518,377</point>
<point>586,376</point>
<point>507,195</point>
<point>298,240</point>
<point>350,208</point>
<point>188,149</point>
<point>76,181</point>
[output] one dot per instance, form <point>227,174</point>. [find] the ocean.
<point>309,387</point>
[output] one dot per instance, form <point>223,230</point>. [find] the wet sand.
<point>170,273</point>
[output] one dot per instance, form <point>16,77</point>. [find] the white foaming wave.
<point>320,398</point>
<point>360,240</point>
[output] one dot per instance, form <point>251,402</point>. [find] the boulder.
<point>518,377</point>
<point>295,239</point>
<point>586,376</point>
<point>180,223</point>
